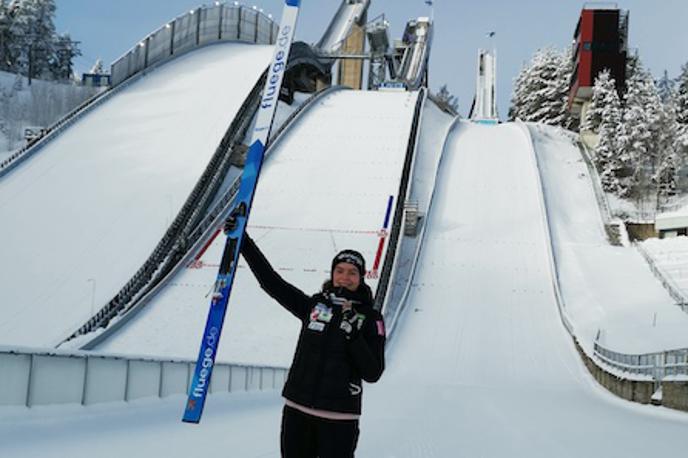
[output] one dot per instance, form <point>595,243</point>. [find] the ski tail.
<point>200,382</point>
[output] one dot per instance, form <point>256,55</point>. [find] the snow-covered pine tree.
<point>641,121</point>
<point>5,59</point>
<point>609,160</point>
<point>65,52</point>
<point>541,89</point>
<point>445,98</point>
<point>665,87</point>
<point>668,160</point>
<point>562,88</point>
<point>603,87</point>
<point>33,31</point>
<point>518,95</point>
<point>682,95</point>
<point>681,144</point>
<point>632,63</point>
<point>98,69</point>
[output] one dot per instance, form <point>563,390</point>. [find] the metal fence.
<point>198,27</point>
<point>37,377</point>
<point>672,288</point>
<point>654,365</point>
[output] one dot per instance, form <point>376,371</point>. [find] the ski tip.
<point>293,2</point>
<point>193,412</point>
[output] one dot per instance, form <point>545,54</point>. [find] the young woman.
<point>342,341</point>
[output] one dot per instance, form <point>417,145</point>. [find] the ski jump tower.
<point>484,109</point>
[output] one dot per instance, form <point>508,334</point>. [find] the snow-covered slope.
<point>324,187</point>
<point>481,365</point>
<point>84,213</point>
<point>607,288</point>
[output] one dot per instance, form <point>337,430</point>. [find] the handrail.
<point>600,196</point>
<point>656,365</point>
<point>391,324</point>
<point>32,374</point>
<point>404,183</point>
<point>661,367</point>
<point>200,235</point>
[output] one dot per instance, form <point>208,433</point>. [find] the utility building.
<point>599,42</point>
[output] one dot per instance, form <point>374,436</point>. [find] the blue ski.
<point>254,161</point>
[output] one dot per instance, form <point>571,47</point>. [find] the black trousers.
<point>306,436</point>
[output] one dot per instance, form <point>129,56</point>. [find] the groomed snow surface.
<point>607,288</point>
<point>324,187</point>
<point>83,214</point>
<point>480,365</point>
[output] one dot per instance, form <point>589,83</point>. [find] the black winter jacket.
<point>327,368</point>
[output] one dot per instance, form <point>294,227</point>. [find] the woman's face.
<point>346,275</point>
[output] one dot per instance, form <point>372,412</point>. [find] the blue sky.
<point>108,28</point>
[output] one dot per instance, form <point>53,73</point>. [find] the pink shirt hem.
<point>328,414</point>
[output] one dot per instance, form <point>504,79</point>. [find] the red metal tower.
<point>599,42</point>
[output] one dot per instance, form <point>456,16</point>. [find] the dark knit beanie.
<point>352,257</point>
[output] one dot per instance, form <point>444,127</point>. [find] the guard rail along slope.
<point>199,27</point>
<point>390,261</point>
<point>654,367</point>
<point>393,310</point>
<point>196,239</point>
<point>39,377</point>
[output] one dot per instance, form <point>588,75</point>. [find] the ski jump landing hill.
<point>307,208</point>
<point>83,213</point>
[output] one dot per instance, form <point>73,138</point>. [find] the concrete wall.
<point>630,390</point>
<point>637,231</point>
<point>674,394</point>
